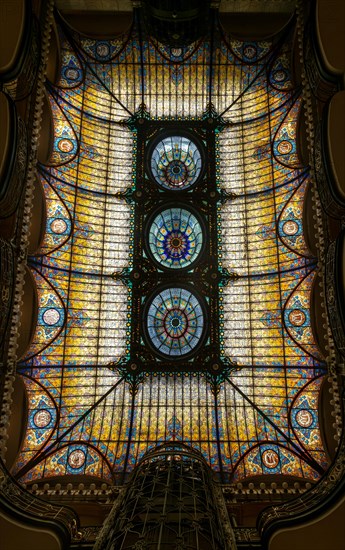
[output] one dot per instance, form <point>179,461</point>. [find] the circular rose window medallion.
<point>76,459</point>
<point>58,226</point>
<point>175,322</point>
<point>297,317</point>
<point>72,74</point>
<point>250,52</point>
<point>175,238</point>
<point>270,458</point>
<point>290,227</point>
<point>103,49</point>
<point>51,316</point>
<point>279,76</point>
<point>304,418</point>
<point>176,163</point>
<point>284,147</point>
<point>42,418</point>
<point>65,145</point>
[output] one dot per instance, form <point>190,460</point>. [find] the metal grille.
<point>170,504</point>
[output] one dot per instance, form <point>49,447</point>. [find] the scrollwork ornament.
<point>143,276</point>
<point>35,117</point>
<point>109,522</point>
<point>22,149</point>
<point>246,534</point>
<point>311,135</point>
<point>224,519</point>
<point>334,312</point>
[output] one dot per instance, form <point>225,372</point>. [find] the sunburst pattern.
<point>175,238</point>
<point>176,163</point>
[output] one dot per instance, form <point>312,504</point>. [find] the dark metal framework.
<point>128,409</point>
<point>170,503</point>
<point>331,485</point>
<point>205,276</point>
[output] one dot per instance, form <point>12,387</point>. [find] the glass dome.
<point>175,322</point>
<point>176,163</point>
<point>175,238</point>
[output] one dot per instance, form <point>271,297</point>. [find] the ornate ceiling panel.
<point>217,351</point>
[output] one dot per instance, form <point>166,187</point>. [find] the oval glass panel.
<point>175,238</point>
<point>175,322</point>
<point>176,163</point>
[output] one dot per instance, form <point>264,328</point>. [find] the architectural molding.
<point>305,501</point>
<point>331,486</point>
<point>34,121</point>
<point>29,509</point>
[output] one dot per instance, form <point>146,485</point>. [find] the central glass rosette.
<point>175,322</point>
<point>176,237</point>
<point>176,162</point>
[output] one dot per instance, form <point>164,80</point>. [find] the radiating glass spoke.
<point>175,322</point>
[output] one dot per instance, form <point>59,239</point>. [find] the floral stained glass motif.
<point>175,238</point>
<point>175,322</point>
<point>176,163</point>
<point>83,416</point>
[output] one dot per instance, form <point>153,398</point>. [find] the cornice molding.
<point>33,511</point>
<point>35,117</point>
<point>329,489</point>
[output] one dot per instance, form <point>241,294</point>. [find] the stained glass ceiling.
<point>87,414</point>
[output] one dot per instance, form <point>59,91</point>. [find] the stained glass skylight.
<point>175,321</point>
<point>91,408</point>
<point>176,162</point>
<point>175,237</point>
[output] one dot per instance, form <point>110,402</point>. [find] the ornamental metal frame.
<point>205,275</point>
<point>170,502</point>
<point>335,362</point>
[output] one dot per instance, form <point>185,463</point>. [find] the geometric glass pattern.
<point>176,163</point>
<point>175,322</point>
<point>175,238</point>
<point>85,416</point>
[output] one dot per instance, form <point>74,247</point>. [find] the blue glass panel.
<point>176,163</point>
<point>175,238</point>
<point>175,322</point>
